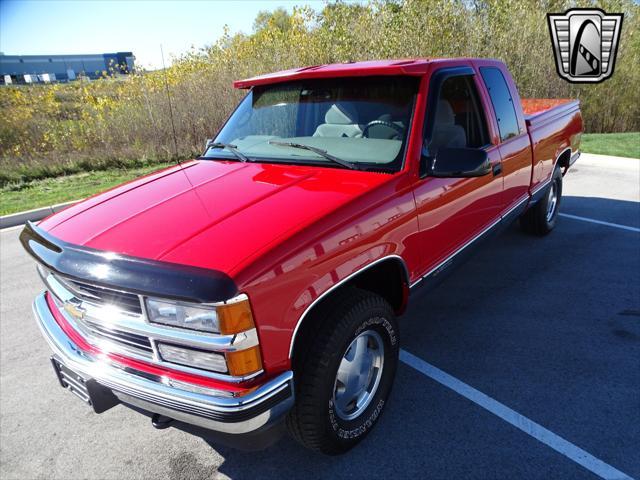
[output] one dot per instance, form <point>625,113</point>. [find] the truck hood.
<point>211,214</point>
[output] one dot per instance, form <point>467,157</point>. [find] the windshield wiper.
<point>319,151</point>
<point>232,148</point>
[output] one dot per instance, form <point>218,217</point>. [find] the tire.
<point>542,217</point>
<point>349,323</point>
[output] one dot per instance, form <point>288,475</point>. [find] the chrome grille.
<point>110,338</point>
<point>98,330</point>
<point>124,338</point>
<point>127,302</point>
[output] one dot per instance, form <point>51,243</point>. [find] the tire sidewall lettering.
<point>381,322</point>
<point>363,426</point>
<point>358,430</point>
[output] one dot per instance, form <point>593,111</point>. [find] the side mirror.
<point>459,163</point>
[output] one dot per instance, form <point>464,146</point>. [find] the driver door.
<point>453,212</point>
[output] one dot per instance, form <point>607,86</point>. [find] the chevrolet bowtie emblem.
<point>74,309</point>
<point>585,43</point>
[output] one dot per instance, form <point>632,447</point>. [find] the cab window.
<point>502,102</point>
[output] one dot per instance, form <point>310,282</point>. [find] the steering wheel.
<point>373,123</point>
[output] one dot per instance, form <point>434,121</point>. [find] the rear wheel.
<point>344,372</point>
<point>541,218</point>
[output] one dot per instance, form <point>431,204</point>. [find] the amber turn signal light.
<point>244,362</point>
<point>235,317</point>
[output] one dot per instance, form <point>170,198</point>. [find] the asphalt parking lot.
<point>550,328</point>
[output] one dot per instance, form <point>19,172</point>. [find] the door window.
<point>459,120</point>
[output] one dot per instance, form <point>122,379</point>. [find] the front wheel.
<point>541,218</point>
<point>345,372</point>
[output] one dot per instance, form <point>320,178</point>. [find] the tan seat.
<point>341,120</point>
<point>445,131</point>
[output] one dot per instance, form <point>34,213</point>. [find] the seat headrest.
<point>342,114</point>
<point>445,115</point>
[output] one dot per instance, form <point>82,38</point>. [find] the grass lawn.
<point>40,193</point>
<point>616,144</point>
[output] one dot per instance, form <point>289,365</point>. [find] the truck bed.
<point>537,110</point>
<point>554,126</point>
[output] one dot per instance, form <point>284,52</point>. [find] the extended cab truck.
<point>262,281</point>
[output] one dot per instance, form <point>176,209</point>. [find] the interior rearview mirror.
<point>459,163</point>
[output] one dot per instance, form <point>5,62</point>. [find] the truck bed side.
<point>555,127</point>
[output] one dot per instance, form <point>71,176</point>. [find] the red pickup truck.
<point>260,284</point>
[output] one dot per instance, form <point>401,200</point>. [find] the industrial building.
<point>21,69</point>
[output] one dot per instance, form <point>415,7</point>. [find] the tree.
<point>279,18</point>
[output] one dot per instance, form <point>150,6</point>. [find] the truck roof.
<point>407,66</point>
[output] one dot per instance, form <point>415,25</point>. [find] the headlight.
<point>193,358</point>
<point>225,318</point>
<point>183,315</point>
<point>229,318</point>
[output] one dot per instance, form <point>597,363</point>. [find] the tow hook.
<point>160,421</point>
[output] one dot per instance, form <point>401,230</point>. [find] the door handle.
<point>497,169</point>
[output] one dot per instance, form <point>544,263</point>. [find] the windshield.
<point>360,121</point>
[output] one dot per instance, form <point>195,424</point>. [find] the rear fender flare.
<point>558,156</point>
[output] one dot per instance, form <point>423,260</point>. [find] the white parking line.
<point>537,431</point>
<point>600,222</point>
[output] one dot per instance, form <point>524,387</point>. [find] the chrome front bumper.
<point>256,410</point>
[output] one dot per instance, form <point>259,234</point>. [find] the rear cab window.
<point>502,102</point>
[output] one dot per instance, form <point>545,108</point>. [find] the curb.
<point>21,218</point>
<point>600,156</point>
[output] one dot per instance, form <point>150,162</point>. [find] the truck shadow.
<point>426,430</point>
<point>609,210</point>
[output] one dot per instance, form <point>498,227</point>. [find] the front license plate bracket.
<point>99,397</point>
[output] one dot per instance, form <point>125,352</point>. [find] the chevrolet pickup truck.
<point>258,286</point>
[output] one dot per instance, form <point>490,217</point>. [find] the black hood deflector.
<point>122,272</point>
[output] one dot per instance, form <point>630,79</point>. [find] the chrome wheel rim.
<point>358,375</point>
<point>552,201</point>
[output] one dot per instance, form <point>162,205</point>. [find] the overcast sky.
<point>31,27</point>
